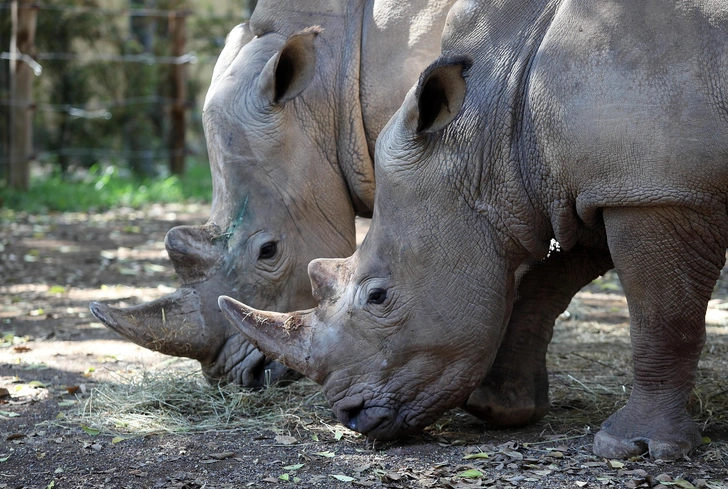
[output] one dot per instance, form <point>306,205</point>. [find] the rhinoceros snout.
<point>193,251</point>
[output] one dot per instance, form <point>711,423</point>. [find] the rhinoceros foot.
<point>628,433</point>
<point>179,324</point>
<point>509,403</point>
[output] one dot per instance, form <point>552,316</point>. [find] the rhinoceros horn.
<point>172,325</point>
<point>285,338</point>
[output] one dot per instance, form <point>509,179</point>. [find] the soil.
<point>54,356</point>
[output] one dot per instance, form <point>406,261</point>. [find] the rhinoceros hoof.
<point>505,412</point>
<point>661,440</point>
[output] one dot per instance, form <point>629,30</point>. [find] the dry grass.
<point>180,400</point>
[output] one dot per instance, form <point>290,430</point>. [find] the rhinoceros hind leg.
<point>668,260</point>
<point>515,390</point>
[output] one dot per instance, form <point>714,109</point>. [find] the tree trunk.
<point>177,147</point>
<point>22,41</point>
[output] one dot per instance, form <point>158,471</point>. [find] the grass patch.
<point>102,188</point>
<point>181,401</point>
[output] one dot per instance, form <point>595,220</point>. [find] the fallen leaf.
<point>73,389</point>
<point>581,484</point>
<point>66,403</point>
<point>117,439</point>
<point>4,459</point>
<point>57,289</point>
<point>471,474</point>
<point>342,478</point>
<point>681,483</point>
<point>4,392</point>
<point>476,455</point>
<point>293,467</point>
<point>109,255</point>
<point>592,464</point>
<point>37,383</point>
<point>284,477</point>
<point>90,431</point>
<point>8,414</point>
<point>364,483</point>
<point>326,454</point>
<point>286,440</point>
<point>15,436</point>
<point>514,455</point>
<point>222,455</point>
<point>21,349</point>
<point>616,464</point>
<point>338,434</point>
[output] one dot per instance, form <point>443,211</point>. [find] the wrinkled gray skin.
<point>601,124</point>
<point>290,118</point>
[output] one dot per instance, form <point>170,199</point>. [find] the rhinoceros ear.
<point>440,93</point>
<point>290,71</point>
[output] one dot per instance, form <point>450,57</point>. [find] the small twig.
<point>526,445</point>
<point>611,367</point>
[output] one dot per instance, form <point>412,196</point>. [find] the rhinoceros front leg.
<point>668,260</point>
<point>515,390</point>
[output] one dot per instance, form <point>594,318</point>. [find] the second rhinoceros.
<point>297,100</point>
<point>601,124</point>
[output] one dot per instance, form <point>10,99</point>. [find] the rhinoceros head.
<point>279,201</point>
<point>407,327</point>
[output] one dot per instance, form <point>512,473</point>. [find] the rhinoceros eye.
<point>376,296</point>
<point>268,250</point>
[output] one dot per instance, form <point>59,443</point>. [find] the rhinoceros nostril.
<point>348,411</point>
<point>352,421</point>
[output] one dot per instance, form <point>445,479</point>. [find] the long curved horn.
<point>285,338</point>
<point>173,325</point>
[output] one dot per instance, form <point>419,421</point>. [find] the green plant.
<point>105,187</point>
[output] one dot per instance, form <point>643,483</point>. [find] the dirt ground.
<point>55,358</point>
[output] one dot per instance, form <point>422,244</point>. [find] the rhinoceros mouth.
<point>373,421</point>
<point>373,418</point>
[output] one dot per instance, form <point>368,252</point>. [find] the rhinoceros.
<point>602,125</point>
<point>296,102</point>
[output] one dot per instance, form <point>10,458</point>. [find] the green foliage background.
<point>128,142</point>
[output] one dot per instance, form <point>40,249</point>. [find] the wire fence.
<point>98,110</point>
<point>131,12</point>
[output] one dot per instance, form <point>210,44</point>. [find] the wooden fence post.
<point>22,41</point>
<point>177,146</point>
